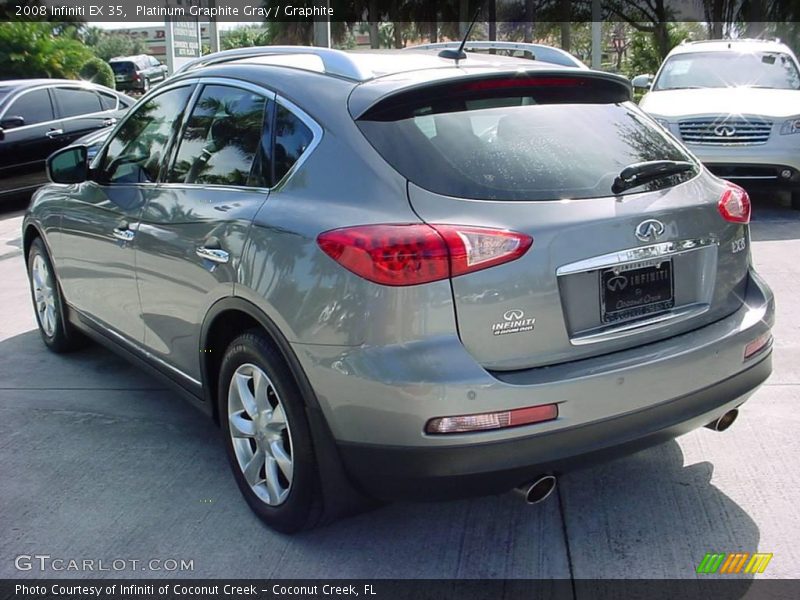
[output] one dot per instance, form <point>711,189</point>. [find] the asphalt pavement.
<point>98,461</point>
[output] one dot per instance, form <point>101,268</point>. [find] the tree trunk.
<point>373,16</point>
<point>433,34</point>
<point>529,16</point>
<point>661,35</point>
<point>566,40</point>
<point>398,34</point>
<point>492,20</point>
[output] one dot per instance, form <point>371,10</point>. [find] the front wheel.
<point>267,437</point>
<point>57,333</point>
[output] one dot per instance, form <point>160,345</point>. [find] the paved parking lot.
<point>99,461</point>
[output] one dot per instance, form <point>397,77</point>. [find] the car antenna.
<point>459,54</point>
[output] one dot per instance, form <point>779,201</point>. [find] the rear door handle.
<point>54,133</point>
<point>124,234</point>
<point>216,255</point>
<point>109,122</point>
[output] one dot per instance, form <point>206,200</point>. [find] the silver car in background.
<point>736,105</point>
<point>405,277</point>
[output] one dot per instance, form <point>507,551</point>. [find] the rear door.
<point>606,271</point>
<point>194,227</point>
<point>23,149</point>
<point>82,110</point>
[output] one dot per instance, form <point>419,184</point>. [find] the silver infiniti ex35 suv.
<point>395,276</point>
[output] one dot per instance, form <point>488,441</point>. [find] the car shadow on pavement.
<point>137,469</point>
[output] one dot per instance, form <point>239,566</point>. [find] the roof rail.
<point>540,52</point>
<point>733,40</point>
<point>334,62</point>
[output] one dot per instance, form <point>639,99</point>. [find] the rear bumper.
<point>376,401</point>
<point>478,469</point>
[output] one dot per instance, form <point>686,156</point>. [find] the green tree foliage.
<point>37,50</point>
<point>110,45</point>
<point>243,37</point>
<point>97,71</point>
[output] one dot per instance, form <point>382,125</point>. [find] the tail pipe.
<point>537,490</point>
<point>724,421</point>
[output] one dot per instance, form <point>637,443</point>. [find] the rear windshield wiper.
<point>639,173</point>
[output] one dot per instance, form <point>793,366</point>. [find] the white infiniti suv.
<point>736,105</point>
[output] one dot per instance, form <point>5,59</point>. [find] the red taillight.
<point>493,420</point>
<point>734,205</point>
<point>419,253</point>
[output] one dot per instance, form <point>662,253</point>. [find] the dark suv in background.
<point>137,73</point>
<point>40,116</point>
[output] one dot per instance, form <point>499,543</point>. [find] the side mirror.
<point>12,121</point>
<point>68,165</point>
<point>642,82</point>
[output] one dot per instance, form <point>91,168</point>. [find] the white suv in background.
<point>736,105</point>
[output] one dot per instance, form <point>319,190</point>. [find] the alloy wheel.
<point>260,434</point>
<point>44,295</point>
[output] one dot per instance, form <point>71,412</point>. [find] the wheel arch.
<point>29,233</point>
<point>225,320</point>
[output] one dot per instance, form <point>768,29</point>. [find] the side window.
<point>292,137</point>
<point>135,153</point>
<point>34,107</point>
<point>107,101</point>
<point>74,102</point>
<point>223,142</point>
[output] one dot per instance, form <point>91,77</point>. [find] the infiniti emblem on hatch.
<point>513,314</point>
<point>650,230</point>
<point>724,130</point>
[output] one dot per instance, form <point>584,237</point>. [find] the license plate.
<point>120,78</point>
<point>636,290</point>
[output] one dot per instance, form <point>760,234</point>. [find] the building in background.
<point>155,37</point>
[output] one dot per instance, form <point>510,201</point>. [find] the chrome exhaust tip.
<point>537,490</point>
<point>724,421</point>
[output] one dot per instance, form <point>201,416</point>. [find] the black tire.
<point>59,335</point>
<point>302,508</point>
<point>796,199</point>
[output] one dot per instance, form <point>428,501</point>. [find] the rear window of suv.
<point>122,68</point>
<point>520,147</point>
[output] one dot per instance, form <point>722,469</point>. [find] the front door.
<point>101,218</point>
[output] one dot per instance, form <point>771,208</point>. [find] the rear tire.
<point>58,334</point>
<point>267,436</point>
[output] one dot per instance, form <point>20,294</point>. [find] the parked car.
<point>40,116</point>
<point>137,73</point>
<point>429,281</point>
<point>736,105</point>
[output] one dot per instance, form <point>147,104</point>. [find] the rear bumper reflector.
<point>493,420</point>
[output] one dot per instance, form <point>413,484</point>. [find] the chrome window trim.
<point>632,255</point>
<point>21,93</point>
<point>316,137</point>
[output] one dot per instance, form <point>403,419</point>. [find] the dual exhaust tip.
<point>543,486</point>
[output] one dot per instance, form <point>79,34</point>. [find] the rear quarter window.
<point>514,147</point>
